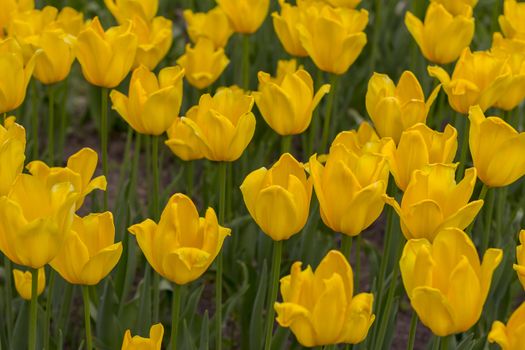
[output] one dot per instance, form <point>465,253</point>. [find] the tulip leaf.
<point>256,321</point>
<point>205,331</point>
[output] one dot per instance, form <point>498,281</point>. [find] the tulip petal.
<point>463,217</point>
<point>146,232</point>
<point>336,262</point>
<point>243,135</point>
<point>508,165</point>
<point>422,219</point>
<point>433,309</point>
<point>366,207</point>
<point>71,259</point>
<point>298,319</point>
<point>276,212</point>
<point>101,264</point>
<point>359,319</point>
<point>491,260</point>
<point>327,317</point>
<point>185,264</point>
<point>498,334</point>
<point>250,188</point>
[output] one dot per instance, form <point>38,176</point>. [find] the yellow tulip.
<point>203,63</point>
<point>15,75</point>
<point>497,149</point>
<point>284,68</point>
<point>420,146</point>
<point>12,153</point>
<point>512,335</point>
<point>55,57</point>
<point>35,218</point>
<point>458,7</point>
<point>79,172</point>
<point>333,38</point>
<point>124,10</point>
<point>246,16</point>
<point>278,198</point>
<point>433,201</point>
<point>213,25</point>
<point>331,314</point>
<point>152,104</point>
<point>10,8</point>
<point>89,252</point>
<point>443,36</point>
<point>287,106</point>
<point>106,57</point>
<point>26,27</point>
<point>154,40</point>
<point>350,183</point>
<point>445,281</point>
<point>285,26</point>
<point>479,78</point>
<point>520,255</point>
<point>181,246</point>
<point>343,3</point>
<point>23,282</point>
<point>183,142</point>
<point>70,21</point>
<point>154,342</point>
<point>223,125</point>
<point>394,109</point>
<point>364,140</point>
<point>512,22</point>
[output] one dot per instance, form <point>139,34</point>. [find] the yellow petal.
<point>433,310</point>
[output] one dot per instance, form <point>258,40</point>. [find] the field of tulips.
<point>262,174</point>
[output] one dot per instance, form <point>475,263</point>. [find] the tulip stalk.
<point>51,126</point>
<point>104,138</point>
<point>488,219</point>
<point>63,119</point>
<point>272,295</point>
<point>8,271</point>
<point>328,112</point>
<point>87,317</point>
<point>218,278</point>
<point>155,212</point>
<point>34,119</point>
<point>33,310</point>
<point>464,150</point>
<point>175,310</point>
<point>358,261</point>
<point>49,298</point>
<point>246,61</point>
<point>346,246</point>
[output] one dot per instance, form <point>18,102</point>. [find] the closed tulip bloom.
<point>154,342</point>
<point>349,183</point>
<point>154,40</point>
<point>27,26</point>
<point>35,218</point>
<point>394,109</point>
<point>512,335</point>
<point>23,282</point>
<point>70,21</point>
<point>15,75</point>
<point>223,125</point>
<point>246,16</point>
<point>181,246</point>
<point>106,57</point>
<point>512,22</point>
<point>420,146</point>
<point>288,106</point>
<point>213,25</point>
<point>153,103</point>
<point>183,142</point>
<point>284,67</point>
<point>11,7</point>
<point>79,172</point>
<point>364,140</point>
<point>458,7</point>
<point>497,149</point>
<point>445,281</point>
<point>433,201</point>
<point>124,10</point>
<point>520,255</point>
<point>203,63</point>
<point>320,307</point>
<point>285,26</point>
<point>55,56</point>
<point>333,38</point>
<point>12,153</point>
<point>89,252</point>
<point>479,78</point>
<point>278,198</point>
<point>443,36</point>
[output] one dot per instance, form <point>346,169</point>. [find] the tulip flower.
<point>512,22</point>
<point>15,75</point>
<point>181,246</point>
<point>35,218</point>
<point>331,314</point>
<point>213,25</point>
<point>443,36</point>
<point>203,63</point>
<point>510,336</point>
<point>89,252</point>
<point>26,27</point>
<point>152,103</point>
<point>106,57</point>
<point>70,21</point>
<point>497,149</point>
<point>287,106</point>
<point>55,57</point>
<point>154,40</point>
<point>246,16</point>
<point>457,7</point>
<point>124,10</point>
<point>520,255</point>
<point>23,282</point>
<point>284,67</point>
<point>350,183</point>
<point>182,141</point>
<point>394,109</point>
<point>285,26</point>
<point>420,146</point>
<point>12,157</point>
<point>364,141</point>
<point>222,126</point>
<point>433,201</point>
<point>445,281</point>
<point>11,7</point>
<point>479,78</point>
<point>154,342</point>
<point>278,198</point>
<point>333,38</point>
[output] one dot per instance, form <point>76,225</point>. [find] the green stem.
<point>50,288</point>
<point>328,112</point>
<point>34,120</point>
<point>314,128</point>
<point>358,262</point>
<point>272,295</point>
<point>175,310</point>
<point>246,61</point>
<point>482,195</point>
<point>346,246</point>
<point>189,177</point>
<point>445,342</point>
<point>286,143</point>
<point>87,317</point>
<point>33,310</point>
<point>413,330</point>
<point>500,210</point>
<point>51,126</point>
<point>218,279</point>
<point>135,168</point>
<point>104,138</point>
<point>63,119</point>
<point>436,343</point>
<point>464,149</point>
<point>155,214</point>
<point>488,222</point>
<point>385,257</point>
<point>8,271</point>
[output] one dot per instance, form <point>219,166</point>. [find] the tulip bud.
<point>510,336</point>
<point>154,40</point>
<point>213,25</point>
<point>182,141</point>
<point>23,282</point>
<point>70,21</point>
<point>285,25</point>
<point>513,19</point>
<point>246,16</point>
<point>154,342</point>
<point>55,57</point>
